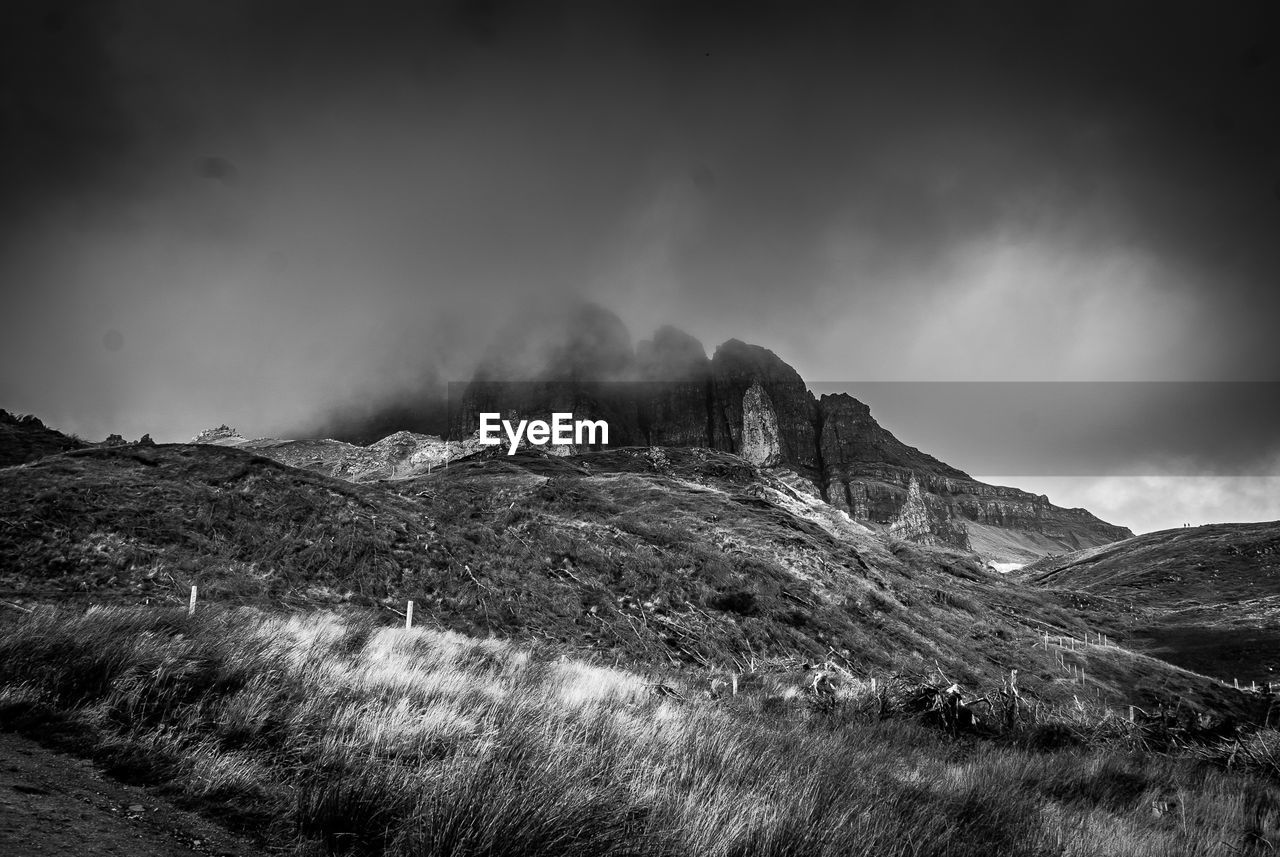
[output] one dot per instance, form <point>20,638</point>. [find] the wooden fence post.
<point>733,679</point>
<point>191,605</point>
<point>1131,717</point>
<point>408,616</point>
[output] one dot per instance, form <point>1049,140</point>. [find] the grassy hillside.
<point>145,522</point>
<point>688,560</point>
<point>1176,568</point>
<point>25,438</point>
<point>324,735</point>
<point>1206,598</point>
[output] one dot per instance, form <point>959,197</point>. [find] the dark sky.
<point>254,212</point>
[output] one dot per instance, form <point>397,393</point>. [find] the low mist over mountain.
<point>744,399</point>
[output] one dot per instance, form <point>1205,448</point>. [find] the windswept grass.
<point>334,736</point>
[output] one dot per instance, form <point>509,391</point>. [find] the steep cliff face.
<point>850,437</point>
<point>760,443</point>
<point>856,450</point>
<point>877,493</point>
<point>735,369</point>
<point>674,382</point>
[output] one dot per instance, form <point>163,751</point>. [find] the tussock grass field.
<point>331,735</point>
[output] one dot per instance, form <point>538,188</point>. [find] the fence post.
<point>408,616</point>
<point>1131,717</point>
<point>191,605</point>
<point>873,684</point>
<point>733,679</point>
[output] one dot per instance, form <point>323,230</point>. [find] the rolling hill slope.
<point>1207,598</point>
<point>688,559</point>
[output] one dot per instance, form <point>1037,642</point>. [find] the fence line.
<point>1077,672</point>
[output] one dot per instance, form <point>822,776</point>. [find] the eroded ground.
<point>52,805</point>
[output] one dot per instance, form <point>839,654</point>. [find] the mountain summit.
<point>746,400</point>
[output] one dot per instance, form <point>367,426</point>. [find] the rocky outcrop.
<point>926,520</point>
<point>24,439</point>
<point>855,448</point>
<point>876,493</point>
<point>398,456</point>
<point>736,368</point>
<point>223,435</point>
<point>759,428</point>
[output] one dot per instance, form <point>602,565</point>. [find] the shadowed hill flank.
<point>683,558</point>
<point>150,520</point>
<point>25,438</point>
<point>1207,598</point>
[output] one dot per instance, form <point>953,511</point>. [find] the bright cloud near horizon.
<point>1146,504</point>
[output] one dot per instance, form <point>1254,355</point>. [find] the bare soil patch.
<point>52,804</point>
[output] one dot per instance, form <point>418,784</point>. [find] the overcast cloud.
<point>256,213</point>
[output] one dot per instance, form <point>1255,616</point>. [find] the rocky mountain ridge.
<point>746,400</point>
<point>401,455</point>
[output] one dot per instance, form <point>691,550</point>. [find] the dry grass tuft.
<point>328,736</point>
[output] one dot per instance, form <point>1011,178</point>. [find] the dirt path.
<point>52,805</point>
